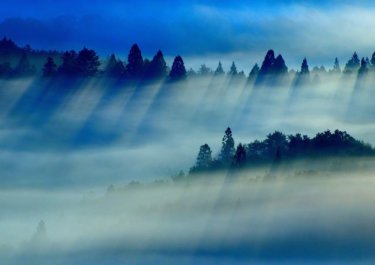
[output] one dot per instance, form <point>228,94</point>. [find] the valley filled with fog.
<point>63,142</point>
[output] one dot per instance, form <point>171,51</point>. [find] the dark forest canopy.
<point>16,61</point>
<point>278,147</point>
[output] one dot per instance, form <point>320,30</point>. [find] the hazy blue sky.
<point>201,31</point>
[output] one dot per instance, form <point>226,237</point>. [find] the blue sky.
<point>201,31</point>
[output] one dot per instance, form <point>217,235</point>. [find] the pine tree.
<point>115,68</point>
<point>219,70</point>
<point>204,70</point>
<point>254,72</point>
<point>363,68</point>
<point>279,67</point>
<point>353,64</point>
<point>158,67</point>
<point>239,158</point>
<point>336,66</point>
<point>49,68</point>
<point>178,70</point>
<point>134,68</point>
<point>227,149</point>
<point>87,62</point>
<point>204,158</point>
<point>267,64</point>
<point>372,61</point>
<point>233,70</point>
<point>69,63</point>
<point>304,67</point>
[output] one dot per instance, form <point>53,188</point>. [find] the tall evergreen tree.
<point>204,158</point>
<point>219,70</point>
<point>363,68</point>
<point>267,64</point>
<point>87,62</point>
<point>239,158</point>
<point>279,67</point>
<point>114,68</point>
<point>178,70</point>
<point>336,66</point>
<point>233,70</point>
<point>49,68</point>
<point>204,70</point>
<point>158,67</point>
<point>372,61</point>
<point>134,68</point>
<point>254,72</point>
<point>352,65</point>
<point>227,148</point>
<point>69,63</point>
<point>304,67</point>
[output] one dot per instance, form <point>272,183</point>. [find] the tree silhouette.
<point>87,62</point>
<point>304,67</point>
<point>277,147</point>
<point>227,148</point>
<point>272,69</point>
<point>158,67</point>
<point>239,159</point>
<point>254,72</point>
<point>204,70</point>
<point>69,63</point>
<point>372,61</point>
<point>364,67</point>
<point>233,70</point>
<point>178,70</point>
<point>267,64</point>
<point>134,68</point>
<point>279,67</point>
<point>49,68</point>
<point>336,67</point>
<point>352,65</point>
<point>204,158</point>
<point>219,70</point>
<point>115,68</point>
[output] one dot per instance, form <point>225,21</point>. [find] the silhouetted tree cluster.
<point>84,63</point>
<point>278,147</point>
<point>18,61</point>
<point>272,69</point>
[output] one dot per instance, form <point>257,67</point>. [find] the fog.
<point>63,142</point>
<point>97,132</point>
<point>325,218</point>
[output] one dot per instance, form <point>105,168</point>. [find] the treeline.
<point>86,63</point>
<point>278,147</point>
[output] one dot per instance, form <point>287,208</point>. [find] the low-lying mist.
<point>304,215</point>
<point>92,132</point>
<point>63,142</point>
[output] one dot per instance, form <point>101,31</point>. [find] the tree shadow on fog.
<point>360,106</point>
<point>39,104</point>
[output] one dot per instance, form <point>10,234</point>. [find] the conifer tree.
<point>134,68</point>
<point>233,70</point>
<point>49,68</point>
<point>304,67</point>
<point>227,148</point>
<point>204,158</point>
<point>178,70</point>
<point>219,70</point>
